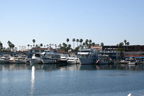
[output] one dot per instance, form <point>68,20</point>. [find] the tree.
<point>86,42</point>
<point>125,41</point>
<point>127,45</point>
<point>73,42</point>
<point>55,46</point>
<point>67,40</point>
<point>77,40</point>
<point>121,44</point>
<point>90,43</point>
<point>34,41</point>
<point>28,46</point>
<point>81,40</point>
<point>102,44</point>
<point>11,45</point>
<point>93,44</point>
<point>1,46</point>
<point>41,44</point>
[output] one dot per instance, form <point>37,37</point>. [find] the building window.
<point>36,50</point>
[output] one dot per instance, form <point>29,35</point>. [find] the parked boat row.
<point>84,56</point>
<point>130,61</point>
<point>17,58</point>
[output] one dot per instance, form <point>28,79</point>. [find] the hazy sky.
<point>52,21</point>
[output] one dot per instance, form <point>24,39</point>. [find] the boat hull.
<point>20,61</point>
<point>86,60</point>
<point>4,61</point>
<point>36,61</point>
<point>48,61</point>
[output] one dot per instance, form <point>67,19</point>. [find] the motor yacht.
<point>4,59</point>
<point>132,61</point>
<point>87,56</point>
<point>63,58</point>
<point>50,57</point>
<point>36,59</point>
<point>73,60</point>
<point>21,59</point>
<point>104,59</point>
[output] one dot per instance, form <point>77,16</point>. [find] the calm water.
<point>71,80</point>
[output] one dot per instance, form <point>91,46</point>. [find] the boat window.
<point>37,55</point>
<point>83,56</point>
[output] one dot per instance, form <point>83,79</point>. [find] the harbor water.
<point>71,80</point>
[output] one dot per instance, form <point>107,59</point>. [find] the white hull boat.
<point>87,56</point>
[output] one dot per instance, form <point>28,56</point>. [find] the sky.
<point>53,21</point>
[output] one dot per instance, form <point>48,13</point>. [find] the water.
<point>71,80</point>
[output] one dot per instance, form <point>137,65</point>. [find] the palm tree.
<point>86,42</point>
<point>73,42</point>
<point>55,46</point>
<point>127,45</point>
<point>90,43</point>
<point>81,40</point>
<point>77,40</point>
<point>1,46</point>
<point>67,40</point>
<point>34,41</point>
<point>121,44</point>
<point>102,44</point>
<point>41,44</point>
<point>125,41</point>
<point>93,44</point>
<point>28,46</point>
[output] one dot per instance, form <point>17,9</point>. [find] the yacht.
<point>73,60</point>
<point>87,56</point>
<point>104,59</point>
<point>36,59</point>
<point>63,58</point>
<point>4,59</point>
<point>132,61</point>
<point>50,57</point>
<point>124,61</point>
<point>21,59</point>
<point>12,59</point>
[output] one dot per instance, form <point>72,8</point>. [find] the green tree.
<point>86,42</point>
<point>67,40</point>
<point>121,44</point>
<point>77,40</point>
<point>11,45</point>
<point>34,41</point>
<point>102,44</point>
<point>41,45</point>
<point>81,40</point>
<point>28,46</point>
<point>125,41</point>
<point>90,43</point>
<point>1,46</point>
<point>73,42</point>
<point>93,44</point>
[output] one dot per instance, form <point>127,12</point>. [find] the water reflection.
<point>53,67</point>
<point>32,79</point>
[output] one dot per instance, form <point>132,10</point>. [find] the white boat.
<point>36,59</point>
<point>63,58</point>
<point>124,61</point>
<point>12,60</point>
<point>132,61</point>
<point>5,59</point>
<point>73,60</point>
<point>21,59</point>
<point>87,56</point>
<point>103,59</point>
<point>50,57</point>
